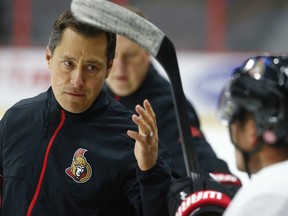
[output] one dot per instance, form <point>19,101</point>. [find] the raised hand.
<point>146,145</point>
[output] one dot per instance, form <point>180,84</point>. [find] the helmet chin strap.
<point>247,156</point>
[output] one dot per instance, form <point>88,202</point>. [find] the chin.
<point>122,92</point>
<point>75,109</point>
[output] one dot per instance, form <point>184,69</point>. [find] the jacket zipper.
<point>40,181</point>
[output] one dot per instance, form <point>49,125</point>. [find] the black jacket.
<point>158,91</point>
<point>60,163</point>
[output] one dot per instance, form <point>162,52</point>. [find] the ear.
<point>48,56</point>
<point>110,64</point>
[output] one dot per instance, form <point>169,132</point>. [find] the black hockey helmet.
<point>259,86</point>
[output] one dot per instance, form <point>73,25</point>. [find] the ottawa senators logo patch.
<point>80,170</point>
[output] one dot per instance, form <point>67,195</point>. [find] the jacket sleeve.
<point>154,186</point>
<point>146,190</point>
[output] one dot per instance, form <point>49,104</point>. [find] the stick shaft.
<point>168,59</point>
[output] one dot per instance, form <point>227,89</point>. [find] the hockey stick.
<point>119,20</point>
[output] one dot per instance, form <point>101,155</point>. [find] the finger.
<point>138,137</point>
<point>149,110</point>
<point>144,114</point>
<point>152,115</point>
<point>145,118</point>
<point>148,124</point>
<point>144,128</point>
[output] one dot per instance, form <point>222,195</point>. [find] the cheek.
<point>237,136</point>
<point>138,72</point>
<point>136,79</point>
<point>239,160</point>
<point>233,133</point>
<point>95,85</point>
<point>58,78</point>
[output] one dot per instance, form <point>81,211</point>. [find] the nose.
<point>77,78</point>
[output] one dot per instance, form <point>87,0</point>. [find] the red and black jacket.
<point>57,163</point>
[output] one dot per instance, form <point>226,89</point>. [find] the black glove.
<point>203,196</point>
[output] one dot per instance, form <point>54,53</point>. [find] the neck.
<point>272,155</point>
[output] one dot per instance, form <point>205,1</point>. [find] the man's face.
<point>78,70</point>
<point>130,67</point>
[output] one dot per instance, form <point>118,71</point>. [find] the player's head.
<point>80,58</point>
<point>256,100</point>
<point>130,64</point>
<point>259,87</point>
<point>67,20</point>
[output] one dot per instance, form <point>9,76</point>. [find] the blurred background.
<point>233,25</point>
<point>211,37</point>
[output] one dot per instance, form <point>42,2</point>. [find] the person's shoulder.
<point>268,182</point>
<point>117,108</point>
<point>155,82</point>
<point>251,201</point>
<point>156,86</point>
<point>25,107</point>
<point>116,116</point>
<point>32,100</point>
<point>116,112</point>
<point>272,179</point>
<point>29,102</point>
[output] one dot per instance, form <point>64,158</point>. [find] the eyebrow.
<point>94,62</point>
<point>67,57</point>
<point>88,61</point>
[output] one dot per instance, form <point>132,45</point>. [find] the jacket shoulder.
<point>27,105</point>
<point>28,101</point>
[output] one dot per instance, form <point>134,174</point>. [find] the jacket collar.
<point>99,105</point>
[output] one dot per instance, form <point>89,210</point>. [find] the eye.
<point>92,69</point>
<point>69,64</point>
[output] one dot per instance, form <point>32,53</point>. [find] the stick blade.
<point>114,18</point>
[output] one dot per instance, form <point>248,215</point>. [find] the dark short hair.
<point>67,20</point>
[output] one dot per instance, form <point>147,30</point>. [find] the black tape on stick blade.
<point>111,17</point>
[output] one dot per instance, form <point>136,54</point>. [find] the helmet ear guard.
<point>259,86</point>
